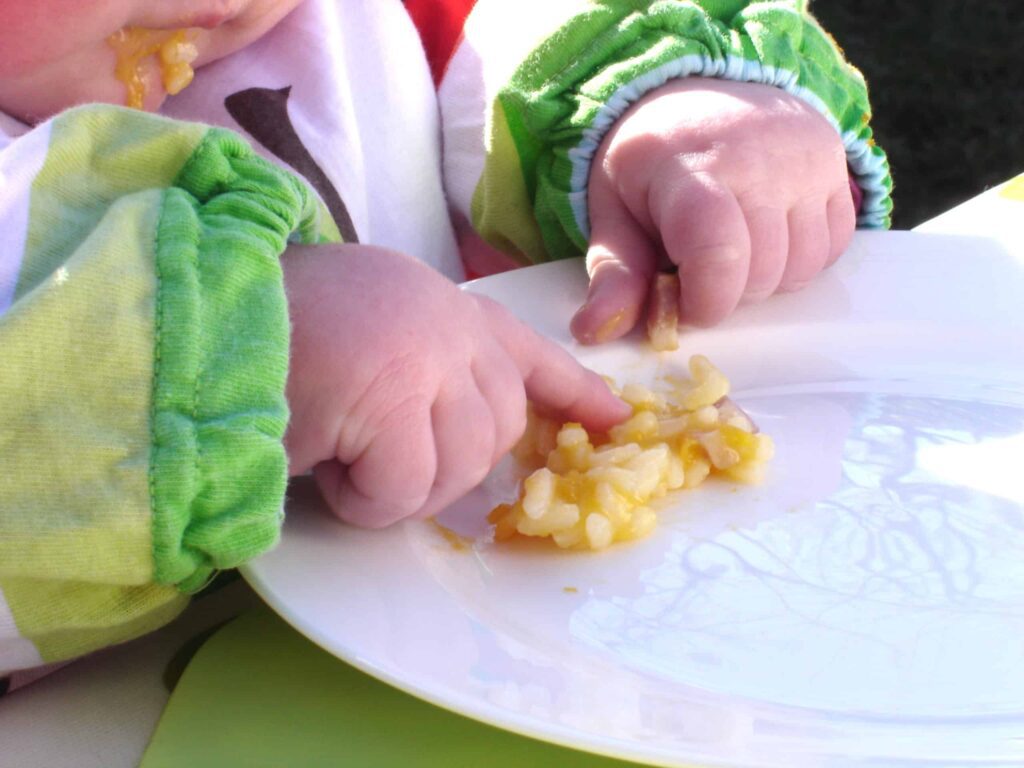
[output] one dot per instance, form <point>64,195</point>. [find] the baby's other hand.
<point>742,187</point>
<point>404,390</point>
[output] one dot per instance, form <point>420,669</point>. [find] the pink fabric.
<point>480,258</point>
<point>858,196</point>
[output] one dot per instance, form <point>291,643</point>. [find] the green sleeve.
<point>145,352</point>
<point>550,117</point>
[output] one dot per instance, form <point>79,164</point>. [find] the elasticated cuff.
<point>218,467</point>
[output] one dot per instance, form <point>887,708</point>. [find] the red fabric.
<point>440,26</point>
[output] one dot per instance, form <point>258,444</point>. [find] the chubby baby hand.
<point>741,187</point>
<point>404,390</point>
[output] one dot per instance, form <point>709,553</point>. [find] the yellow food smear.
<point>457,542</point>
<point>589,491</point>
<point>663,312</point>
<point>175,53</point>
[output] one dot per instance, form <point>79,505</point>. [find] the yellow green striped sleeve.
<point>144,344</point>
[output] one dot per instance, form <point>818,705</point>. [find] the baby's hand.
<point>405,391</point>
<point>741,186</point>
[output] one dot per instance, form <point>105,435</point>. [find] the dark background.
<point>946,79</point>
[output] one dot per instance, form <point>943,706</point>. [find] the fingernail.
<point>609,327</point>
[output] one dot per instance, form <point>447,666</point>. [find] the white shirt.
<point>359,104</point>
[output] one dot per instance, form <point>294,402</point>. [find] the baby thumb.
<point>620,262</point>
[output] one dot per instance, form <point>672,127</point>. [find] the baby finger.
<point>705,234</point>
<point>809,245</point>
<point>464,438</point>
<point>842,220</point>
<point>391,479</point>
<point>499,382</point>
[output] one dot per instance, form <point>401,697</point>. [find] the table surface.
<point>101,711</point>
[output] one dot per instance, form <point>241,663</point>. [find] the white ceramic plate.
<point>864,606</point>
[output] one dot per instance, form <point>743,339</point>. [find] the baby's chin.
<point>113,92</point>
<point>40,103</point>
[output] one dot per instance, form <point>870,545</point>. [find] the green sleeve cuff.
<point>565,97</point>
<point>218,468</point>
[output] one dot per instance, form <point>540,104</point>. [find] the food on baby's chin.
<point>175,53</point>
<point>589,491</point>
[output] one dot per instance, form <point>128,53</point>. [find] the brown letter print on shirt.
<point>263,112</point>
